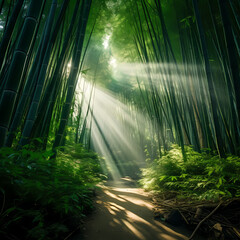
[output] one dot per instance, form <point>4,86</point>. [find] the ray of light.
<point>116,134</point>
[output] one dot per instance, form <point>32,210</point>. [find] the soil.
<point>125,212</point>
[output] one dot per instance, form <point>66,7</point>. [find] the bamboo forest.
<point>119,119</point>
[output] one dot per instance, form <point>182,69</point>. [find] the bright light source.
<point>106,41</point>
<point>69,65</point>
<point>113,62</point>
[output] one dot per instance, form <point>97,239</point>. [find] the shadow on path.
<point>124,212</point>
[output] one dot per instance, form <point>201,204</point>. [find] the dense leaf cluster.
<point>42,198</point>
<point>200,175</point>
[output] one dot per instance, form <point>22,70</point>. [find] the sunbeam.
<point>115,132</point>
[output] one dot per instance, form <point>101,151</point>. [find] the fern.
<point>202,175</point>
<point>43,200</point>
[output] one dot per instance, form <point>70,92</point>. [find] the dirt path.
<point>124,212</point>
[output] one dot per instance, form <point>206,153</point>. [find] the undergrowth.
<point>201,176</point>
<point>45,199</point>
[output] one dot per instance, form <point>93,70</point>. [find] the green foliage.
<point>41,197</point>
<point>202,176</point>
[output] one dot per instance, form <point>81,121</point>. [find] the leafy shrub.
<point>42,198</point>
<point>200,175</point>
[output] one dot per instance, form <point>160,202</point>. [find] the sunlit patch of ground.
<point>124,212</point>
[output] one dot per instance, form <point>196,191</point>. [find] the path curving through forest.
<point>124,212</point>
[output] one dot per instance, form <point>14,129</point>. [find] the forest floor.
<point>125,212</point>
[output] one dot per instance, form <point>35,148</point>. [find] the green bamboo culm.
<point>232,51</point>
<point>25,97</point>
<point>36,77</point>
<point>38,90</point>
<point>210,84</point>
<point>16,68</point>
<point>72,80</point>
<point>47,104</point>
<point>9,31</point>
